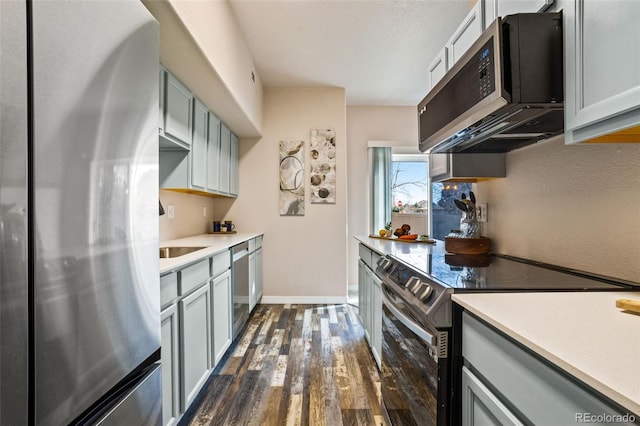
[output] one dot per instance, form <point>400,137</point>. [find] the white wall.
<point>188,218</point>
<point>201,44</point>
<point>364,124</point>
<point>305,258</point>
<point>575,206</point>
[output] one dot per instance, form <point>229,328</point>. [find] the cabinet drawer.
<point>221,262</point>
<point>258,242</point>
<point>168,288</point>
<point>365,254</point>
<point>194,275</point>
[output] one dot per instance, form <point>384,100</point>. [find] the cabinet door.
<point>178,111</point>
<point>170,369</point>
<point>233,165</point>
<point>361,289</point>
<point>366,309</point>
<point>258,275</point>
<point>225,153</point>
<point>466,34</point>
<point>252,281</point>
<point>376,318</point>
<point>199,146</point>
<point>162,77</point>
<point>438,165</point>
<point>195,335</point>
<point>438,67</point>
<point>480,406</point>
<point>502,8</point>
<point>213,154</point>
<point>222,333</point>
<point>601,66</point>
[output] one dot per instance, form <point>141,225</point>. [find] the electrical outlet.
<point>204,211</point>
<point>171,212</point>
<point>481,212</point>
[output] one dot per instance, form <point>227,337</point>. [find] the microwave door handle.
<point>410,324</point>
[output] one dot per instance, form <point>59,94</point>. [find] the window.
<point>401,191</point>
<point>410,192</point>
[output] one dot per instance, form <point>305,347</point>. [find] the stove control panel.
<point>384,264</point>
<point>419,289</point>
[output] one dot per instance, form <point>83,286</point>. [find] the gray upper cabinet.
<point>178,104</point>
<point>213,154</point>
<point>466,34</point>
<point>199,146</point>
<point>602,63</point>
<point>198,153</point>
<point>502,8</point>
<point>438,67</point>
<point>233,165</point>
<point>225,159</point>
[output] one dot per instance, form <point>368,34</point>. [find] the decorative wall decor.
<point>323,166</point>
<point>292,178</point>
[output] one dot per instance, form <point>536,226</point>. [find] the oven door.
<point>411,368</point>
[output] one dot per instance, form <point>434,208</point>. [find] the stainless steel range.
<point>421,344</point>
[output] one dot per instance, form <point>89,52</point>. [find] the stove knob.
<point>384,263</point>
<point>425,293</point>
<point>412,284</point>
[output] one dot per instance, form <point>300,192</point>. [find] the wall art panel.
<point>323,166</point>
<point>292,178</point>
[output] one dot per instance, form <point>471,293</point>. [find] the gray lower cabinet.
<point>195,342</point>
<point>255,272</point>
<point>370,301</point>
<point>170,366</point>
<point>196,329</point>
<point>222,292</point>
<point>259,276</point>
<point>504,384</point>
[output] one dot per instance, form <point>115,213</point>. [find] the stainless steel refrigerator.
<point>79,289</point>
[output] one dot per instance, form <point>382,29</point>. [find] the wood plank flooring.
<point>295,365</point>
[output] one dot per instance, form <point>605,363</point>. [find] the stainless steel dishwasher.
<point>240,277</point>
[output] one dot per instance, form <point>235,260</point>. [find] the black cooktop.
<point>500,273</point>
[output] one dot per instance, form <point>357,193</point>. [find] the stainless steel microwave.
<point>504,93</point>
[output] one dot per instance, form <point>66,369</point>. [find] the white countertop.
<point>213,243</point>
<point>581,332</point>
<point>392,246</point>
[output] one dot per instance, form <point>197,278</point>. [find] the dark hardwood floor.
<point>295,365</point>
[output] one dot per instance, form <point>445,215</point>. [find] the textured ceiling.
<point>378,50</point>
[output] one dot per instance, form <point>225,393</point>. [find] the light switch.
<point>171,212</point>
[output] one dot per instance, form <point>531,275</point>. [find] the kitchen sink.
<point>169,252</point>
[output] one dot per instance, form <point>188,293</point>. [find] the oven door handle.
<point>408,322</point>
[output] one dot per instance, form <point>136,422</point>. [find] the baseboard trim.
<point>303,300</point>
